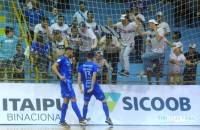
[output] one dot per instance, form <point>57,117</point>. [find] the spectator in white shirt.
<point>127,31</point>
<point>42,29</point>
<point>176,61</point>
<point>156,42</point>
<point>176,37</point>
<point>162,24</point>
<point>81,15</point>
<point>88,42</point>
<point>111,47</point>
<point>61,26</point>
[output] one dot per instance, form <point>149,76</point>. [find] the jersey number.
<point>88,75</point>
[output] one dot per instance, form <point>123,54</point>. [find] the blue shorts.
<point>67,90</point>
<point>97,92</point>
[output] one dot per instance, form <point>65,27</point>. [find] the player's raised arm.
<point>110,24</point>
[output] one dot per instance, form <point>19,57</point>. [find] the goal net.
<point>179,19</point>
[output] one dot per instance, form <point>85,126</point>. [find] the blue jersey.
<point>33,16</point>
<point>42,50</point>
<point>65,66</point>
<point>7,47</point>
<point>87,70</point>
<point>53,20</point>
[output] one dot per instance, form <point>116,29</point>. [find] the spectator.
<point>176,61</point>
<point>42,29</point>
<point>81,15</point>
<point>111,49</point>
<point>54,18</point>
<point>139,39</point>
<point>162,24</point>
<point>101,63</point>
<point>18,64</point>
<point>90,20</point>
<point>176,37</point>
<point>189,74</point>
<point>155,37</point>
<point>127,32</point>
<point>88,42</point>
<point>40,53</point>
<point>138,48</point>
<point>7,43</point>
<point>141,5</point>
<point>74,40</point>
<point>92,24</point>
<point>59,44</point>
<point>64,28</point>
<point>33,16</point>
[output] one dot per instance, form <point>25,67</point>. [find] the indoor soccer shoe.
<point>64,124</point>
<point>109,121</point>
<point>82,121</point>
<point>88,119</point>
<point>125,73</point>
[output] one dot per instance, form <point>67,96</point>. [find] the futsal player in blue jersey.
<point>67,91</point>
<point>87,74</point>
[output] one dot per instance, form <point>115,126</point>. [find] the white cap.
<point>178,46</point>
<point>192,46</point>
<point>140,16</point>
<point>159,13</point>
<point>123,17</point>
<point>152,21</point>
<point>99,52</point>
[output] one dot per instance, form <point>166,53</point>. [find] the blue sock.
<point>105,108</point>
<point>76,110</point>
<point>63,112</point>
<point>85,110</point>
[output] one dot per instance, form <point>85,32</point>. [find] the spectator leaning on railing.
<point>7,43</point>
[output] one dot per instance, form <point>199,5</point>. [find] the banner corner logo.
<point>112,99</point>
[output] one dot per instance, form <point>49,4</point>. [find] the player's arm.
<point>94,43</point>
<point>135,19</point>
<point>35,37</point>
<point>94,75</point>
<point>158,36</point>
<point>107,66</point>
<point>140,32</point>
<point>169,43</point>
<point>49,33</point>
<point>167,33</point>
<point>80,83</point>
<point>110,24</point>
<point>23,37</point>
<point>55,70</point>
<point>22,67</point>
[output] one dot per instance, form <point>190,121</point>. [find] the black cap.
<point>82,24</point>
<point>61,15</point>
<point>178,34</point>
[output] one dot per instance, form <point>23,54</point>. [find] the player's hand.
<point>82,91</point>
<point>109,20</point>
<point>73,61</point>
<point>111,69</point>
<point>89,90</point>
<point>62,78</point>
<point>24,36</point>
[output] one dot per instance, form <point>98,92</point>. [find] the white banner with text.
<point>26,103</point>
